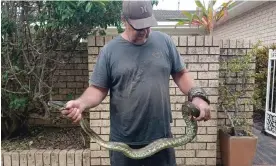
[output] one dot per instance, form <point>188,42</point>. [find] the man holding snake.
<point>136,67</point>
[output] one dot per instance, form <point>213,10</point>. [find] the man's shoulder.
<point>113,41</point>
<point>160,34</point>
<point>110,45</point>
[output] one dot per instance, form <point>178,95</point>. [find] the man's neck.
<point>127,37</point>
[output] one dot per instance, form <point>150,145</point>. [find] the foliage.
<point>234,98</point>
<point>154,2</point>
<point>234,87</point>
<point>261,53</point>
<point>37,38</point>
<point>207,17</point>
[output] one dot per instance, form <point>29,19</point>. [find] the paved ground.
<point>266,149</point>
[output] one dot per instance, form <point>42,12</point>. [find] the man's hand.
<point>204,109</point>
<point>91,97</point>
<point>73,110</point>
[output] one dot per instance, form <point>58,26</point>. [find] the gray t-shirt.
<point>138,80</point>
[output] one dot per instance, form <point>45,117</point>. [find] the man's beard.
<point>137,39</point>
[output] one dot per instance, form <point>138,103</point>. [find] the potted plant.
<point>237,142</point>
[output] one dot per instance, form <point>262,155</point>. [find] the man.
<point>136,67</point>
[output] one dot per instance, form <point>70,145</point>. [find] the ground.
<point>266,147</point>
<point>49,138</point>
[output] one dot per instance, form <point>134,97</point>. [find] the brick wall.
<point>99,116</point>
<point>202,57</point>
<point>70,80</point>
<point>72,77</point>
<point>256,24</point>
<point>201,54</point>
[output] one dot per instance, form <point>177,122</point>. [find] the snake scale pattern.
<point>187,109</point>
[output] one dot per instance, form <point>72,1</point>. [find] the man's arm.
<point>183,80</point>
<point>185,83</point>
<point>93,96</point>
<point>99,82</point>
<point>90,98</point>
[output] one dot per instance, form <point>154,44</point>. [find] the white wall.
<point>256,24</point>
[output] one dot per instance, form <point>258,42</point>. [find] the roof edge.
<point>240,7</point>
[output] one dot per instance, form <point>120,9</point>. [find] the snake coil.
<point>188,109</point>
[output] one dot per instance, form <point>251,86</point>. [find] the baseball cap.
<point>139,13</point>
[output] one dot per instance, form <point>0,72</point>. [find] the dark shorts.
<point>165,157</point>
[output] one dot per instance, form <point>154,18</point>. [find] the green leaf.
<point>80,3</point>
<point>16,68</point>
<point>182,22</point>
<point>214,2</point>
<point>102,4</point>
<point>88,6</point>
<point>200,5</point>
<point>5,76</point>
<point>63,17</point>
<point>72,4</point>
<point>18,102</point>
<point>69,96</point>
<point>187,14</point>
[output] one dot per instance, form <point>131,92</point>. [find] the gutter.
<point>240,7</point>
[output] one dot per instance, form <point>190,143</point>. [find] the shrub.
<point>261,53</point>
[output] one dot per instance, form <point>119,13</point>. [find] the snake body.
<point>187,109</point>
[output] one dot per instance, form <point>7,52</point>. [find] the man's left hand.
<point>204,109</point>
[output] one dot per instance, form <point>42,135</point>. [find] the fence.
<point>270,115</point>
<point>203,55</point>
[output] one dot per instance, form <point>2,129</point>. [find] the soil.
<point>48,138</point>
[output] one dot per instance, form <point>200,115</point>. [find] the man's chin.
<point>140,41</point>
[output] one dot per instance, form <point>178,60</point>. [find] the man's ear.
<point>124,21</point>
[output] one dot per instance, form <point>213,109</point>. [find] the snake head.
<point>56,104</point>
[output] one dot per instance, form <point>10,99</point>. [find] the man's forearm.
<point>184,81</point>
<point>93,96</point>
<point>186,84</point>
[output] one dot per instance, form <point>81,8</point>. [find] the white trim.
<point>241,7</point>
<point>170,30</point>
<point>269,108</point>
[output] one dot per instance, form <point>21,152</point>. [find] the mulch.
<point>48,138</point>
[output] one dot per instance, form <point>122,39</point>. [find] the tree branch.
<point>14,91</point>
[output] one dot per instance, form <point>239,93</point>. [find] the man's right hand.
<point>73,110</point>
<point>91,97</point>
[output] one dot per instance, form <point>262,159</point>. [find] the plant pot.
<point>237,150</point>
